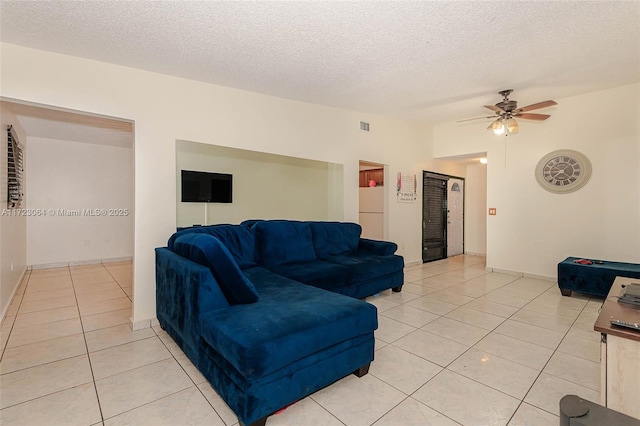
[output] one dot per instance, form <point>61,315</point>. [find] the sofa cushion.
<point>283,241</point>
<point>367,267</point>
<point>291,322</point>
<point>318,273</point>
<point>334,238</point>
<point>239,240</point>
<point>209,251</point>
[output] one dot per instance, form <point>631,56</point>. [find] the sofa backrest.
<point>239,240</point>
<point>335,238</point>
<point>283,241</point>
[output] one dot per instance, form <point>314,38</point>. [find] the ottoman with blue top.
<point>594,279</point>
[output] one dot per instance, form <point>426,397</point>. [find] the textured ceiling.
<point>430,61</point>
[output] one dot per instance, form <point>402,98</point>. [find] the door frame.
<point>446,177</point>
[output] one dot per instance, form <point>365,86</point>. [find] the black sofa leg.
<point>259,422</point>
<point>362,370</point>
<point>565,292</point>
<point>397,289</point>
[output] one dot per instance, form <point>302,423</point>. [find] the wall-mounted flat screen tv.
<point>206,187</point>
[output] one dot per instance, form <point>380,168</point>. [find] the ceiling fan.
<point>506,111</point>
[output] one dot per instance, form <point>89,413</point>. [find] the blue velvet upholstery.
<point>380,248</point>
<point>595,279</point>
<point>283,241</point>
<point>254,399</point>
<point>184,290</point>
<point>335,238</point>
<point>297,337</point>
<point>239,241</point>
<point>291,322</point>
<point>250,222</point>
<point>207,250</point>
<point>366,267</point>
<point>318,273</point>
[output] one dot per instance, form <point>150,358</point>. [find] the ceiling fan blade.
<point>477,118</point>
<point>537,117</point>
<point>495,108</point>
<point>536,106</point>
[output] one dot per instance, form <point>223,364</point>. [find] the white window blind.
<point>15,190</point>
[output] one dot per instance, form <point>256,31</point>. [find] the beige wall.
<point>166,109</point>
<point>535,229</point>
<point>13,229</point>
<point>265,186</point>
<point>66,178</point>
<point>475,215</point>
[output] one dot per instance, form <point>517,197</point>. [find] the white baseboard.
<point>521,274</point>
<point>13,293</point>
<point>144,323</point>
<point>80,263</point>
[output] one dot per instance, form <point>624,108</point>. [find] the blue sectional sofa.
<point>269,313</point>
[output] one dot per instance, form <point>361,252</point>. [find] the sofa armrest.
<point>185,291</point>
<point>380,248</point>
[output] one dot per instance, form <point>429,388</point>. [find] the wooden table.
<point>619,353</point>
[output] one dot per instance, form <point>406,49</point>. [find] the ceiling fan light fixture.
<point>497,127</point>
<point>512,125</point>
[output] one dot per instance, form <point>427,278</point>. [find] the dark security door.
<point>434,217</point>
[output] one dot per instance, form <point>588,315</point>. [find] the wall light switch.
<point>492,211</point>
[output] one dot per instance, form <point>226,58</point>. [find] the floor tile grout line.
<point>521,401</point>
<point>79,317</point>
<point>52,393</point>
<point>541,370</point>
<point>121,344</point>
<point>84,336</point>
<point>547,363</point>
<point>15,317</point>
<point>117,282</point>
<point>151,402</point>
<point>418,401</point>
<point>44,363</point>
<point>44,396</point>
<point>185,372</point>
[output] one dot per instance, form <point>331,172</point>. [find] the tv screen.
<point>205,187</point>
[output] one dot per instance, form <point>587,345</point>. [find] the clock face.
<point>563,171</point>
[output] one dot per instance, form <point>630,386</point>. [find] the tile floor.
<point>458,345</point>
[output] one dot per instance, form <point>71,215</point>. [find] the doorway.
<point>442,216</point>
<point>372,202</point>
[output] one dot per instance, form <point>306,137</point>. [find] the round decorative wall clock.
<point>563,171</point>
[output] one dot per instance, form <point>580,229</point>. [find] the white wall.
<point>13,228</point>
<point>534,229</point>
<point>66,178</point>
<point>265,186</point>
<point>475,214</point>
<point>166,109</point>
